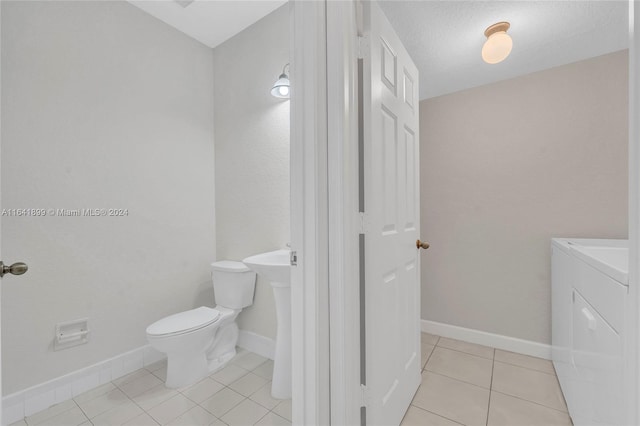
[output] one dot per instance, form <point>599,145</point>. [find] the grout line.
<point>428,358</point>
<point>463,352</point>
<point>533,402</point>
<point>527,368</point>
<point>468,353</point>
<point>83,412</point>
<point>490,388</point>
<point>436,414</point>
<point>266,414</point>
<point>457,380</point>
<point>49,418</point>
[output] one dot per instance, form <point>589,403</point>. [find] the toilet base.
<point>221,362</point>
<point>193,356</point>
<point>186,368</point>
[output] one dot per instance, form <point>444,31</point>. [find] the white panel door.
<point>392,221</point>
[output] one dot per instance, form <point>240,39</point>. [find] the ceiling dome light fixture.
<point>498,44</point>
<point>280,88</point>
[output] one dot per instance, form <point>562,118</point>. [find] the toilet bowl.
<point>201,341</point>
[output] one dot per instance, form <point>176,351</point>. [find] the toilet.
<point>203,340</point>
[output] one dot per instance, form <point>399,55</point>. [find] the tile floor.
<point>469,384</point>
<point>462,383</point>
<point>239,394</point>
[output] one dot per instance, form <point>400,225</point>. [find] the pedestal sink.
<point>275,266</point>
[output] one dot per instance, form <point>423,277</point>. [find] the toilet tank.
<point>233,284</point>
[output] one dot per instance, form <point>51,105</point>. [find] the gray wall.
<point>504,168</point>
<point>102,106</point>
<point>252,153</point>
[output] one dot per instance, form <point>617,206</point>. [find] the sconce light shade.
<point>280,88</point>
<point>498,45</point>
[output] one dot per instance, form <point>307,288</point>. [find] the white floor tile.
<point>94,393</point>
<point>425,353</point>
<point>140,385</point>
<point>130,377</point>
<point>118,415</point>
<point>263,397</point>
<point>249,360</point>
<point>171,409</point>
<point>284,409</point>
<point>223,401</point>
<point>50,412</point>
<point>202,390</point>
<point>450,398</point>
<point>103,403</point>
<point>531,385</point>
<point>248,384</point>
<point>154,396</point>
<point>229,374</point>
<point>461,366</point>
<point>418,417</point>
<point>245,413</point>
<point>430,339</point>
<point>265,370</point>
<point>142,420</point>
<point>506,410</point>
<point>470,348</point>
<point>526,361</point>
<point>272,419</point>
<point>197,416</point>
<point>72,417</point>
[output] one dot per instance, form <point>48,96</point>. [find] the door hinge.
<point>293,258</point>
<point>363,46</point>
<point>363,223</point>
<point>364,395</point>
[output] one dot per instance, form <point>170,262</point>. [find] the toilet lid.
<point>184,321</point>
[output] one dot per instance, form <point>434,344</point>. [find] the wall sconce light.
<point>498,44</point>
<point>280,88</point>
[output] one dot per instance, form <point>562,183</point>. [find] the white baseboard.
<point>497,341</point>
<point>40,397</point>
<point>253,342</point>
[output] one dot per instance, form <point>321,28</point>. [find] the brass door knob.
<point>18,268</point>
<point>422,244</point>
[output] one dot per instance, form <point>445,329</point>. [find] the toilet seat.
<point>184,322</point>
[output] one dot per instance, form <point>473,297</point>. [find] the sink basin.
<point>275,266</point>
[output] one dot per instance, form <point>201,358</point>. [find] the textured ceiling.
<point>444,38</point>
<point>209,21</point>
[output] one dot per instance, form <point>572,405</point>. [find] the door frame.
<point>309,214</point>
<point>324,213</point>
<point>632,309</point>
<point>344,216</point>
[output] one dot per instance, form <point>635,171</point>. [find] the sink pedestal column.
<point>281,385</point>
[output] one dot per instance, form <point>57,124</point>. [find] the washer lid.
<point>184,321</point>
